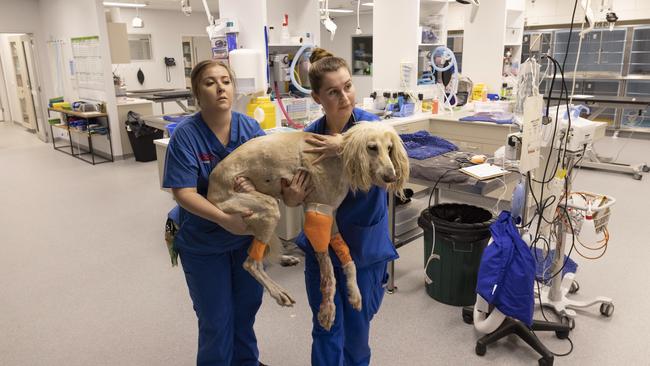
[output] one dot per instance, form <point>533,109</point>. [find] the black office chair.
<point>513,326</point>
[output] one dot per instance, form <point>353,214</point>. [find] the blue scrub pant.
<point>226,299</point>
<point>346,344</point>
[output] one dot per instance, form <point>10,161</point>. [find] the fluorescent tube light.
<point>337,10</point>
<point>124,5</point>
<point>368,4</point>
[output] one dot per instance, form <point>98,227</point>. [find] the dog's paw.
<point>289,260</point>
<point>280,295</point>
<point>326,315</point>
<point>354,298</point>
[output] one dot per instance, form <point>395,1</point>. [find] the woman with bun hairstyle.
<point>362,219</point>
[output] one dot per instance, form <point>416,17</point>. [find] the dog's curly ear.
<point>399,158</point>
<point>356,163</point>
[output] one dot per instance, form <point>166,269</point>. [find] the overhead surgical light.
<point>186,8</point>
<point>123,5</point>
<point>328,23</point>
<point>137,22</point>
<point>611,19</point>
<point>467,2</point>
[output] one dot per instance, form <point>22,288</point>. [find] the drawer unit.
<point>412,127</point>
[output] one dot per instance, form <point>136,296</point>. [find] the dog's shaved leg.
<point>256,269</point>
<point>349,268</point>
<point>327,310</point>
<point>318,227</point>
<point>354,295</point>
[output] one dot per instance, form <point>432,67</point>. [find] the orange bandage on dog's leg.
<point>341,249</point>
<point>318,228</point>
<point>256,250</point>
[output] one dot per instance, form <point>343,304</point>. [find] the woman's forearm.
<point>193,202</point>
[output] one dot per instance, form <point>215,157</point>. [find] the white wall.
<point>395,41</point>
<point>540,12</point>
<point>552,12</point>
<point>61,21</point>
<point>455,17</point>
<point>303,17</point>
<point>166,28</point>
<point>483,44</point>
<point>342,46</point>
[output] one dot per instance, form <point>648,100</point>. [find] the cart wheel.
<point>637,176</point>
<point>568,321</point>
<point>562,334</point>
<point>575,286</point>
<point>607,309</point>
<point>480,349</point>
<point>545,362</point>
<point>468,318</point>
<point>645,168</point>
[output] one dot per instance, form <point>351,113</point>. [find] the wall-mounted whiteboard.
<point>88,67</point>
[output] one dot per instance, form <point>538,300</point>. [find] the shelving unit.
<point>433,24</point>
<point>80,152</point>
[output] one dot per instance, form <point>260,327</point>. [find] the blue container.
<point>170,128</point>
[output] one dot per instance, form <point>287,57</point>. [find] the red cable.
<point>290,122</point>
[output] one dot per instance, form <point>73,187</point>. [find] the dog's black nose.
<point>389,178</point>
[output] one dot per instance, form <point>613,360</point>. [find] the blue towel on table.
<point>421,145</point>
<point>501,118</point>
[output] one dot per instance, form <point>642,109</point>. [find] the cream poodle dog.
<point>372,154</point>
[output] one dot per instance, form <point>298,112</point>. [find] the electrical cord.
<point>539,295</point>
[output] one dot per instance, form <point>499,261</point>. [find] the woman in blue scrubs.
<point>210,243</point>
<point>362,220</point>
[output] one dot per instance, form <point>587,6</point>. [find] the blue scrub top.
<point>362,217</point>
<point>193,151</point>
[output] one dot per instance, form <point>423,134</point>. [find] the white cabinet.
<point>118,41</point>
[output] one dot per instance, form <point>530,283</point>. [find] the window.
<point>637,118</point>
<point>602,51</point>
<point>362,55</point>
<point>140,47</point>
<point>535,44</point>
<point>455,43</point>
<point>640,56</point>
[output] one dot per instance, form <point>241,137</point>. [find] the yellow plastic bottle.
<point>263,111</point>
<point>477,91</point>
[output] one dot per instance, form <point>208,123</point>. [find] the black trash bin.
<point>461,234</point>
<point>141,137</point>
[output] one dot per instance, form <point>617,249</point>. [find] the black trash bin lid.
<point>459,216</point>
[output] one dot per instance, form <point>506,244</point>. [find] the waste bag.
<point>141,137</point>
<point>457,233</point>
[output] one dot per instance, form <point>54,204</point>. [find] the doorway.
<point>22,88</point>
<point>195,50</point>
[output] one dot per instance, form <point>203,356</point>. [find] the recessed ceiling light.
<point>124,5</point>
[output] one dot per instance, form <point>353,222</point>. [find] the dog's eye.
<point>372,147</point>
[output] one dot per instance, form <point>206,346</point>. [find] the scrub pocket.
<point>369,244</point>
<point>171,229</point>
<point>377,291</point>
